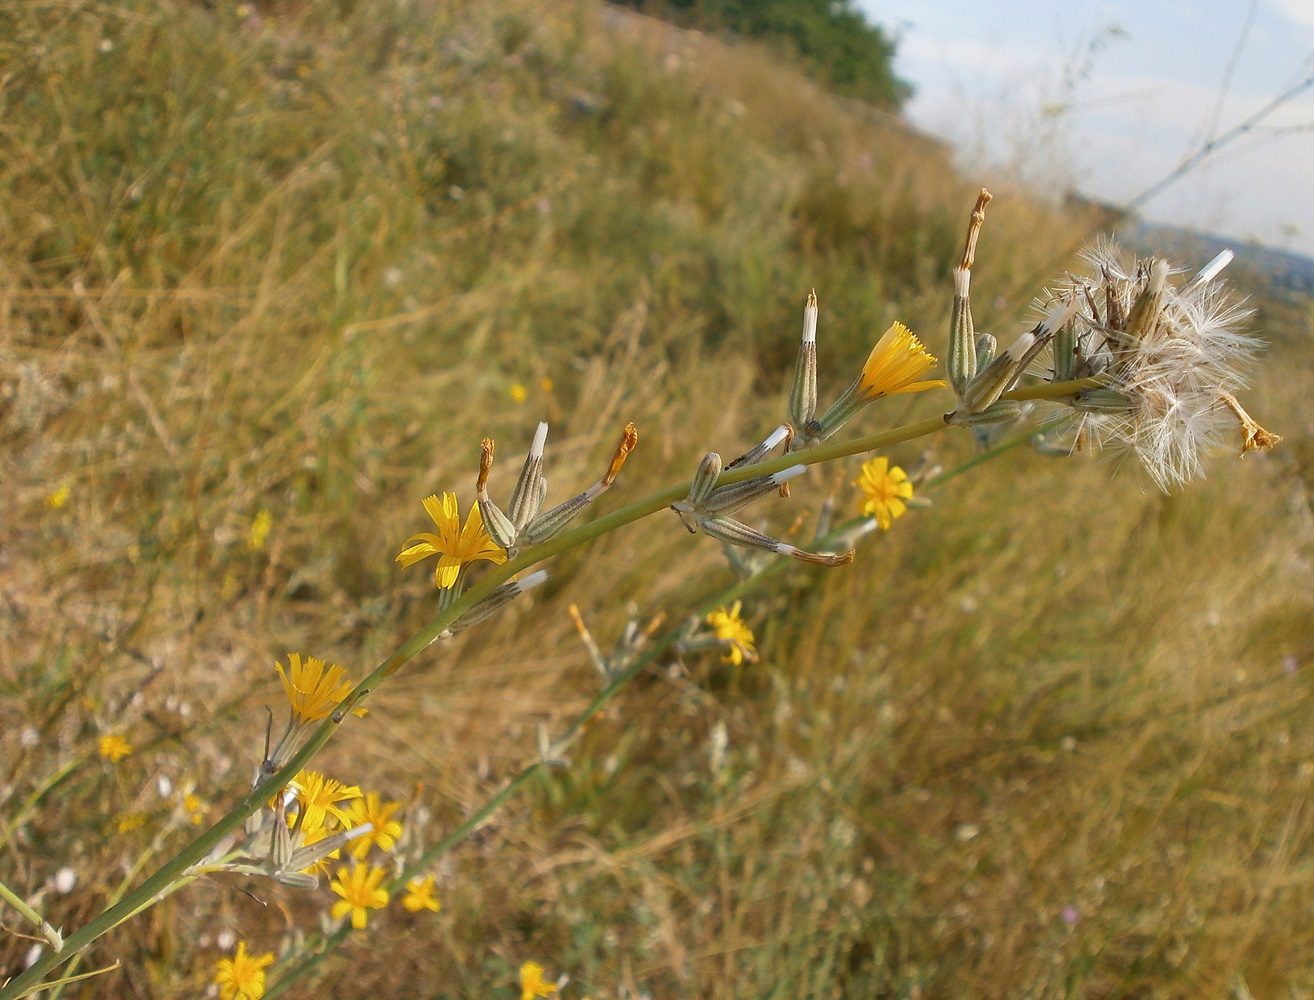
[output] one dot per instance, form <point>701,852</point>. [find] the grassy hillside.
<point>1045,738</point>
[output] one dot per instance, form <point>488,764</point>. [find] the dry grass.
<point>298,266</point>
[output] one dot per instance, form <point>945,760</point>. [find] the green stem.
<point>156,884</point>
<point>34,918</point>
<point>315,953</point>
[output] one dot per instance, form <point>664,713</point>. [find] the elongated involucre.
<point>1174,356</point>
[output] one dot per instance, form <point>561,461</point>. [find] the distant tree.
<point>837,44</point>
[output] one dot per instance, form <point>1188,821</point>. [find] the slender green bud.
<point>1065,353</point>
<point>531,488</point>
<point>961,361</point>
<point>497,600</point>
<point>704,481</point>
<point>986,347</point>
<point>1001,411</point>
<point>729,499</point>
<point>999,376</point>
<point>803,395</point>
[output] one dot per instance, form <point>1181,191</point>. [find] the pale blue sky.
<point>1141,82</point>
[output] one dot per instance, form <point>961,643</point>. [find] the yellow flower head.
<point>261,525</point>
<point>518,393</point>
<point>242,977</point>
<point>58,496</point>
<point>195,808</point>
<point>312,691</point>
<point>885,489</point>
<point>129,821</point>
<point>453,545</point>
<point>419,895</point>
<point>319,796</point>
<point>730,628</point>
<point>360,891</point>
<point>531,982</point>
<point>114,748</point>
<point>386,830</point>
<point>895,364</point>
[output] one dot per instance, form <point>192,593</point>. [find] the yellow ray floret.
<point>895,364</point>
<point>312,690</point>
<point>884,489</point>
<point>730,628</point>
<point>453,545</point>
<point>360,891</point>
<point>242,977</point>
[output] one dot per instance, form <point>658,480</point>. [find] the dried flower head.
<point>1172,357</point>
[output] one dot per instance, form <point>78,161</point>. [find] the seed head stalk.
<point>159,884</point>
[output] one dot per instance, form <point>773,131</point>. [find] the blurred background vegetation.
<point>1046,738</point>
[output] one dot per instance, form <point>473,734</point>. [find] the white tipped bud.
<point>533,580</point>
<point>784,475</point>
<point>1020,347</point>
<point>1061,313</point>
<point>540,439</point>
<point>775,437</point>
<point>1211,270</point>
<point>810,319</point>
<point>962,282</point>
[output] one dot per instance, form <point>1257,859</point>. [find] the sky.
<point>1106,98</point>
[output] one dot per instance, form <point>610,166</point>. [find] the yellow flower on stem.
<point>453,545</point>
<point>730,628</point>
<point>360,891</point>
<point>242,977</point>
<point>895,364</point>
<point>261,525</point>
<point>531,982</point>
<point>194,807</point>
<point>319,797</point>
<point>886,488</point>
<point>114,748</point>
<point>58,497</point>
<point>386,830</point>
<point>419,895</point>
<point>312,691</point>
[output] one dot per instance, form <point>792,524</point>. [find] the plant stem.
<point>156,885</point>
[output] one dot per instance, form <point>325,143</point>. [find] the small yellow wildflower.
<point>419,895</point>
<point>360,891</point>
<point>261,525</point>
<point>886,489</point>
<point>518,393</point>
<point>731,628</point>
<point>129,821</point>
<point>531,982</point>
<point>114,748</point>
<point>312,691</point>
<point>386,830</point>
<point>58,497</point>
<point>546,384</point>
<point>895,364</point>
<point>193,805</point>
<point>453,545</point>
<point>242,977</point>
<point>319,797</point>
